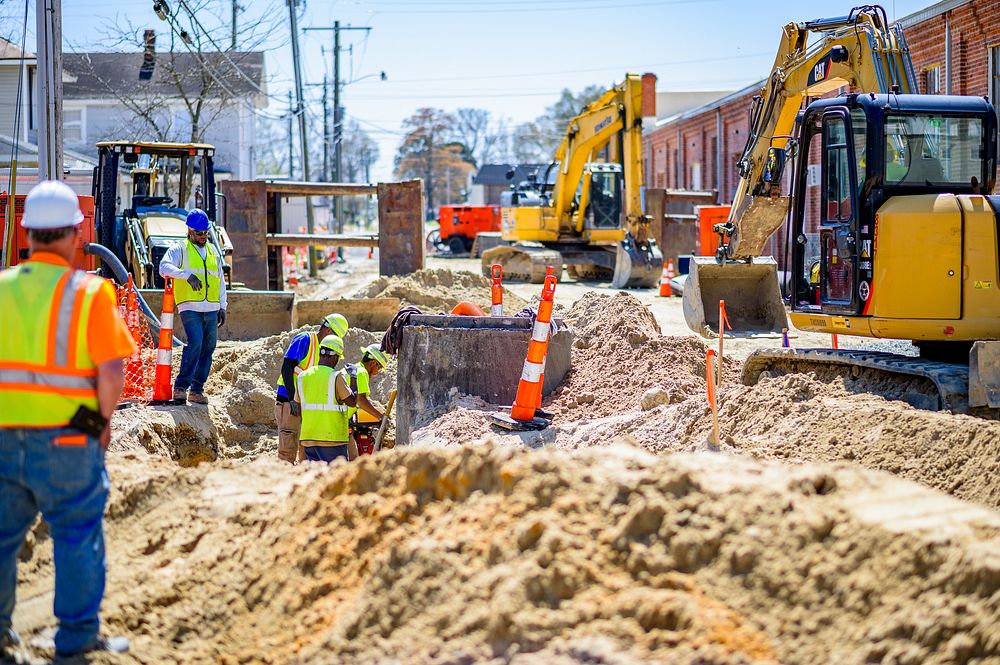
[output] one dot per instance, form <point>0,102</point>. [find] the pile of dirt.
<point>439,290</point>
<point>483,554</point>
<point>239,419</point>
<point>619,355</point>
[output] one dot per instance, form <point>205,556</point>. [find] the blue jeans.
<point>66,481</point>
<point>202,330</point>
<point>325,453</point>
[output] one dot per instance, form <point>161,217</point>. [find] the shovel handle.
<point>385,421</point>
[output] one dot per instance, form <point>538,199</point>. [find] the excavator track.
<point>926,384</point>
<point>522,263</point>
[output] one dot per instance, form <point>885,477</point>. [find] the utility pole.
<point>291,137</point>
<point>232,44</point>
<point>338,121</point>
<point>303,141</point>
<point>48,24</point>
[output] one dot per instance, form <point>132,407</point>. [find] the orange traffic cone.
<point>163,387</point>
<point>665,277</point>
<point>496,290</point>
<point>522,412</point>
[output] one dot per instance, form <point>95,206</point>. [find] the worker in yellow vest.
<point>325,399</point>
<point>302,354</point>
<point>200,294</point>
<point>61,375</point>
<point>358,377</point>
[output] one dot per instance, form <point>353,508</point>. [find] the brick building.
<point>955,49</point>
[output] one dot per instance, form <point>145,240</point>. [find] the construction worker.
<point>200,294</point>
<point>325,398</point>
<point>61,375</point>
<point>302,354</point>
<point>358,376</point>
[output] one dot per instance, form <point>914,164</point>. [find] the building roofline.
<point>712,105</point>
<point>930,12</point>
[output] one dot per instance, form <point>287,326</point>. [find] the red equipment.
<point>19,249</point>
<point>461,224</point>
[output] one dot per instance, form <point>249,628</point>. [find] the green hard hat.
<point>337,323</point>
<point>333,344</point>
<point>373,351</point>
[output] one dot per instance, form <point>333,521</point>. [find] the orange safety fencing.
<point>140,366</point>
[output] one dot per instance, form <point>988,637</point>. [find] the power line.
<point>536,10</point>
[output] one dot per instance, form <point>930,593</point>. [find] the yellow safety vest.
<point>207,270</point>
<point>324,418</point>
<point>46,372</point>
<point>310,359</point>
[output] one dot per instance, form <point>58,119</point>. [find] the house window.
<point>932,81</point>
<point>995,77</point>
<point>73,126</point>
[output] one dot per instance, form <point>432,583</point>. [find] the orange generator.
<point>461,224</point>
<point>18,251</point>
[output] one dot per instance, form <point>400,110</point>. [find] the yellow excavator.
<point>898,238</point>
<point>585,213</point>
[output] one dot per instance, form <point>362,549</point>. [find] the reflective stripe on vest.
<point>324,417</point>
<point>46,372</point>
<point>206,269</point>
<point>312,355</point>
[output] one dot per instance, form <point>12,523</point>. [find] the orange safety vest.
<point>46,372</point>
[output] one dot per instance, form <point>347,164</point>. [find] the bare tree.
<point>189,86</point>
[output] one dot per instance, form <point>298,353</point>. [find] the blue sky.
<point>511,57</point>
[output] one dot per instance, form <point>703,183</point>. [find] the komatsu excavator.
<point>899,238</point>
<point>585,213</point>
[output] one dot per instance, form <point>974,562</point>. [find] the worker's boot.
<point>197,398</point>
<point>115,644</point>
<point>180,395</point>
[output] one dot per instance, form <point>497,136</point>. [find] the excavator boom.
<point>860,50</point>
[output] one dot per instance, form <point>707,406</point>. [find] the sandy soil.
<point>618,535</point>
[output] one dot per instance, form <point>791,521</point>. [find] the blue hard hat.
<point>197,220</point>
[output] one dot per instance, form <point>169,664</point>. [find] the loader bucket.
<point>753,297</point>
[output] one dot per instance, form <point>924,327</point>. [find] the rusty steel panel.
<point>246,222</point>
<point>401,227</point>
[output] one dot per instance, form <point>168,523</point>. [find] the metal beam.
<point>324,240</point>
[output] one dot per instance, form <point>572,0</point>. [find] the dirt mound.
<point>439,290</point>
<point>619,355</point>
<point>502,555</point>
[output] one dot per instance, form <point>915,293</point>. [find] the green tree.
<point>536,141</point>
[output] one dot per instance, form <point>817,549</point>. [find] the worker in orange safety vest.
<point>61,375</point>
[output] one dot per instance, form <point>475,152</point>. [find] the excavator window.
<point>933,150</point>
<point>837,244</point>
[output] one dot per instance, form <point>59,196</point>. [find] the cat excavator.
<point>898,239</point>
<point>582,212</point>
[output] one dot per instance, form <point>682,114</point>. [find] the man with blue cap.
<point>200,295</point>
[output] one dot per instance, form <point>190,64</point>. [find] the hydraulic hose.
<point>106,255</point>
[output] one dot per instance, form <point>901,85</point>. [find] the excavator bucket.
<point>984,374</point>
<point>751,291</point>
<point>637,266</point>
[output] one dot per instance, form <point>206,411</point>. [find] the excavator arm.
<point>612,121</point>
<point>859,50</point>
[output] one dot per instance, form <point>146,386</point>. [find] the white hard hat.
<point>51,205</point>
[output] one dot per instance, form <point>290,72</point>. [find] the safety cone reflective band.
<point>530,385</point>
<point>163,389</point>
<point>665,280</point>
<point>496,290</point>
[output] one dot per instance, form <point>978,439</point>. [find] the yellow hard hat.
<point>373,351</point>
<point>337,323</point>
<point>332,344</point>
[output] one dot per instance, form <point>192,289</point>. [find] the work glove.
<point>222,317</point>
<point>194,282</point>
<point>295,408</point>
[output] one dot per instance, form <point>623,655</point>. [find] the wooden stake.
<point>714,437</point>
